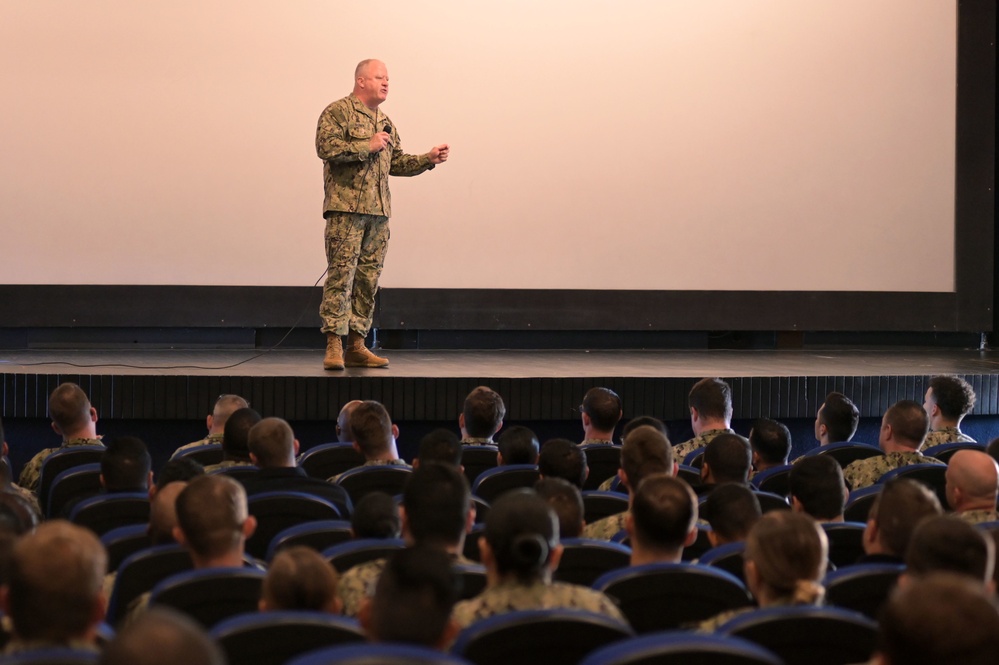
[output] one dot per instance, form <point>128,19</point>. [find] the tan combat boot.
<point>358,355</point>
<point>334,352</point>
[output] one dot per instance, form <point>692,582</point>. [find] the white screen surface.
<point>676,145</point>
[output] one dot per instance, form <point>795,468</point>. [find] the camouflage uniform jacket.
<point>514,597</point>
<point>373,462</point>
<point>17,646</point>
<point>28,496</point>
<point>711,625</point>
<point>208,440</point>
<point>359,582</point>
<point>355,180</point>
<point>597,442</point>
<point>943,435</point>
<point>979,516</point>
<point>681,450</point>
<point>606,528</point>
<point>608,485</point>
<point>865,472</point>
<point>32,471</point>
<point>227,464</point>
<point>478,441</point>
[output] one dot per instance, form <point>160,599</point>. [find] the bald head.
<point>343,432</point>
<point>972,481</point>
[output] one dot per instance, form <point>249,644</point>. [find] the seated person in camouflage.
<point>629,427</point>
<point>561,458</point>
<point>517,445</point>
<point>727,459</point>
<point>520,550</point>
<point>732,510</point>
<point>481,417</point>
<point>710,402</point>
<point>973,486</point>
<point>236,440</point>
<point>413,600</point>
<point>785,561</point>
<point>898,508</point>
<point>836,420</point>
<point>74,419</point>
<point>947,544</point>
<point>224,407</point>
<point>645,451</point>
<point>948,400</point>
<point>818,489</point>
<point>7,479</point>
<point>126,467</point>
<point>53,596</point>
<point>374,436</point>
<point>299,578</point>
<point>567,502</point>
<point>903,429</point>
<point>441,445</point>
<point>600,412</point>
<point>163,637</point>
<point>436,512</point>
<point>662,520</point>
<point>771,444</point>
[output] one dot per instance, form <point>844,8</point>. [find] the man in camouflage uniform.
<point>973,486</point>
<point>74,419</point>
<point>224,407</point>
<point>600,412</point>
<point>436,512</point>
<point>662,520</point>
<point>236,440</point>
<point>360,149</point>
<point>710,402</point>
<point>374,436</point>
<point>948,400</point>
<point>903,429</point>
<point>481,417</point>
<point>645,451</point>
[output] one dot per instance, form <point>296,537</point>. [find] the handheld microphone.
<point>388,130</point>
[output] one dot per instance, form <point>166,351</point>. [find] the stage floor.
<point>429,384</point>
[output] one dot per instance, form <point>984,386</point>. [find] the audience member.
<point>770,442</point>
<point>74,419</point>
<point>126,466</point>
<point>662,520</point>
<point>973,486</point>
<point>561,458</point>
<point>567,502</point>
<point>273,450</point>
<point>898,508</point>
<point>731,509</point>
<point>836,420</point>
<point>710,402</point>
<point>235,440</point>
<point>948,400</point>
<point>163,513</point>
<point>440,445</point>
<point>613,482</point>
<point>224,407</point>
<point>817,488</point>
<point>517,445</point>
<point>343,432</point>
<point>520,549</point>
<point>374,436</point>
<point>903,429</point>
<point>727,459</point>
<point>945,543</point>
<point>600,412</point>
<point>179,469</point>
<point>376,516</point>
<point>481,417</point>
<point>299,578</point>
<point>162,637</point>
<point>7,476</point>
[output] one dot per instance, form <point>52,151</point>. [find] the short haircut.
<point>567,502</point>
<point>953,395</point>
<point>372,428</point>
<point>817,482</point>
<point>840,416</point>
<point>437,500</point>
<point>712,398</point>
<point>55,579</point>
<point>225,406</point>
<point>441,445</point>
<point>603,406</point>
<point>236,435</point>
<point>522,531</point>
<point>942,618</point>
<point>561,458</point>
<point>299,578</point>
<point>414,596</point>
<point>376,515</point>
<point>272,442</point>
<point>898,508</point>
<point>179,468</point>
<point>69,407</point>
<point>640,421</point>
<point>908,421</point>
<point>729,457</point>
<point>771,440</point>
<point>664,510</point>
<point>731,509</point>
<point>946,543</point>
<point>344,433</point>
<point>125,465</point>
<point>211,512</point>
<point>789,551</point>
<point>518,445</point>
<point>162,636</point>
<point>484,412</point>
<point>645,451</point>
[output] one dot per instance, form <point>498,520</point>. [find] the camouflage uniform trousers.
<point>355,253</point>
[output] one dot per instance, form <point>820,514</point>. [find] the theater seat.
<point>584,560</point>
<point>597,504</point>
<point>858,504</point>
<point>495,482</point>
<point>277,511</point>
<point>123,542</point>
<point>727,557</point>
<point>364,480</point>
<point>140,572</point>
<point>53,656</point>
<point>945,451</point>
<point>59,461</point>
<point>318,534</point>
<point>845,452</point>
<point>345,556</point>
<point>846,542</point>
<point>862,587</point>
<point>477,459</point>
<point>775,480</point>
<point>103,513</point>
<point>210,595</point>
<point>377,654</point>
<point>272,638</point>
<point>603,461</point>
<point>208,454</point>
<point>931,475</point>
<point>80,481</point>
<point>330,459</point>
<point>682,648</point>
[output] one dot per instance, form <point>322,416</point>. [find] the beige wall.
<point>675,144</point>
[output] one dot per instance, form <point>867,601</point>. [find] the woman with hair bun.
<point>520,550</point>
<point>785,561</point>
